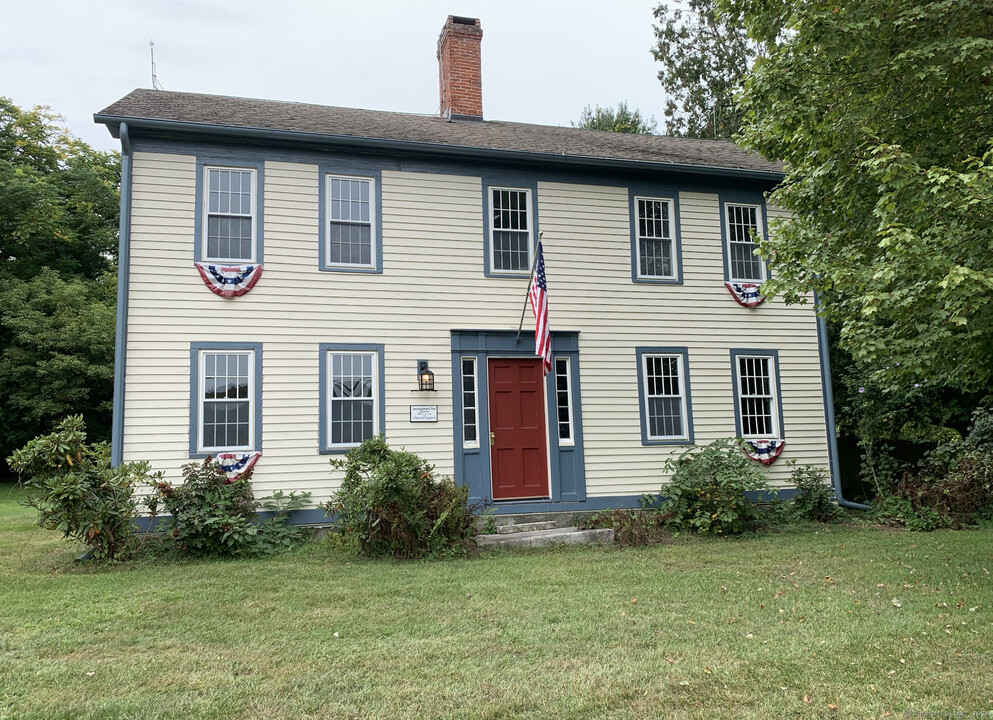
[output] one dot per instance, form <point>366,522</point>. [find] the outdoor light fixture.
<point>425,378</point>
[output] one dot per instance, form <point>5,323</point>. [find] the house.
<point>288,272</point>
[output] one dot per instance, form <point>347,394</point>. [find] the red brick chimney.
<point>459,68</point>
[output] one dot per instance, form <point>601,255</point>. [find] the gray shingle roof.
<point>326,121</point>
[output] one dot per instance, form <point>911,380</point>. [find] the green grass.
<point>868,620</point>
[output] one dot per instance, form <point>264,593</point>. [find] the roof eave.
<point>411,146</point>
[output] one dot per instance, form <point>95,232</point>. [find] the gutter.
<point>123,274</point>
<point>429,148</point>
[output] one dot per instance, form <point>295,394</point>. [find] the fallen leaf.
<point>691,622</point>
<point>90,674</point>
<point>897,603</point>
<point>806,698</point>
<point>832,706</point>
<point>707,670</point>
<point>684,682</point>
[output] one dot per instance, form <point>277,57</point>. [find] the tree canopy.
<point>882,111</point>
<point>705,56</point>
<point>620,120</point>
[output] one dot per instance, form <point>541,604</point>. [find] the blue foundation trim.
<point>640,353</point>
<point>774,354</point>
<point>322,401</point>
<point>121,322</point>
<point>655,191</point>
<point>361,170</point>
<point>235,160</point>
<point>195,349</point>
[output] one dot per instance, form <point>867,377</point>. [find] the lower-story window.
<point>663,384</point>
<point>470,406</point>
<point>351,395</point>
<point>225,402</point>
<point>563,400</point>
<point>757,394</point>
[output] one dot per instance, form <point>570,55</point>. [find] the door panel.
<point>518,450</point>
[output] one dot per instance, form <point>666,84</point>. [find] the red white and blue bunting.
<point>234,465</point>
<point>764,451</point>
<point>746,294</point>
<point>229,280</point>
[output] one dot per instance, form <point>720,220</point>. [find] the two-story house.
<point>289,271</point>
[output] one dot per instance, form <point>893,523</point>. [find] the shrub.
<point>391,504</point>
<point>632,528</point>
<point>814,499</point>
<point>212,515</point>
<point>707,491</point>
<point>75,489</point>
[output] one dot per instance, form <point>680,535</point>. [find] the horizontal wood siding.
<point>433,282</point>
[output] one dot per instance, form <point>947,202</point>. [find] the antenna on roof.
<point>156,85</point>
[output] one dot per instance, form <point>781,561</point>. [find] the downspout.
<point>832,434</point>
<point>121,328</point>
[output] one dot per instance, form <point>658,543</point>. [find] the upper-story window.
<point>229,233</point>
<point>655,239</point>
<point>510,218</point>
<point>351,232</point>
<point>743,225</point>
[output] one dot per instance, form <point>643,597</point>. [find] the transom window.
<point>226,397</point>
<point>351,238</point>
<point>665,397</point>
<point>470,408</point>
<point>757,396</point>
<point>352,398</point>
<point>563,400</point>
<point>510,230</point>
<point>229,233</point>
<point>743,224</point>
<point>655,238</point>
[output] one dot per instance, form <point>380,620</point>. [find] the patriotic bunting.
<point>538,292</point>
<point>234,465</point>
<point>746,294</point>
<point>764,451</point>
<point>229,280</point>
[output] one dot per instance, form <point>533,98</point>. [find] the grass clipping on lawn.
<point>842,622</point>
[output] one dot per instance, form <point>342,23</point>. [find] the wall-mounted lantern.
<point>425,378</point>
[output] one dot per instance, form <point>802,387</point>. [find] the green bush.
<point>632,528</point>
<point>814,499</point>
<point>212,515</point>
<point>75,489</point>
<point>391,504</point>
<point>707,491</point>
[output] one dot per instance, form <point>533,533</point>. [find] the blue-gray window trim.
<point>774,354</point>
<point>740,197</point>
<point>511,182</point>
<point>661,192</point>
<point>322,403</point>
<point>235,161</point>
<point>195,348</point>
<point>352,168</point>
<point>640,353</point>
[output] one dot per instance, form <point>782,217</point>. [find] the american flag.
<point>538,292</point>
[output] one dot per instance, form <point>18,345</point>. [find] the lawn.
<point>841,622</point>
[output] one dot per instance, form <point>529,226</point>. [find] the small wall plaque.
<point>423,413</point>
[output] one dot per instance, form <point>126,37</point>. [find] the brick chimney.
<point>459,67</point>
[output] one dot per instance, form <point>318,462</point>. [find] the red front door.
<point>518,446</point>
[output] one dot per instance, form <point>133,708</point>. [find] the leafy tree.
<point>621,120</point>
<point>58,233</point>
<point>882,111</point>
<point>705,56</point>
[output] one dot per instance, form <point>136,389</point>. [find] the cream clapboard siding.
<point>433,282</point>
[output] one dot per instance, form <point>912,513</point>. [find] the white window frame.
<point>470,444</point>
<point>571,440</point>
<point>683,410</point>
<point>530,220</point>
<point>639,237</point>
<point>328,220</point>
<point>206,215</point>
<point>758,229</point>
<point>202,384</point>
<point>773,396</point>
<point>329,390</point>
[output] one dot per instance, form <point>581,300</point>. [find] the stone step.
<point>525,527</point>
<point>544,538</point>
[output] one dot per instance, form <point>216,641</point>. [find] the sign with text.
<point>423,413</point>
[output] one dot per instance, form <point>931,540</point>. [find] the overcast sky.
<point>543,60</point>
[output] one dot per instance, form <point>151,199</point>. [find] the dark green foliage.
<point>707,491</point>
<point>392,505</point>
<point>76,491</point>
<point>632,528</point>
<point>814,499</point>
<point>621,120</point>
<point>211,515</point>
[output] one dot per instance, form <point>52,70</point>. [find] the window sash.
<point>757,397</point>
<point>511,247</point>
<point>563,400</point>
<point>351,221</point>
<point>229,214</point>
<point>743,264</point>
<point>665,397</point>
<point>237,432</point>
<point>352,398</point>
<point>470,403</point>
<point>656,244</point>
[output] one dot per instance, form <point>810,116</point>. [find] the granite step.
<point>525,527</point>
<point>545,538</point>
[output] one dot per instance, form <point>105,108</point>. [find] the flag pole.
<point>524,309</point>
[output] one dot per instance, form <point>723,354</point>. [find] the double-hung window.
<point>663,382</point>
<point>229,212</point>
<point>351,395</point>
<point>742,225</point>
<point>510,229</point>
<point>758,411</point>
<point>350,239</point>
<point>655,239</point>
<point>225,403</point>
